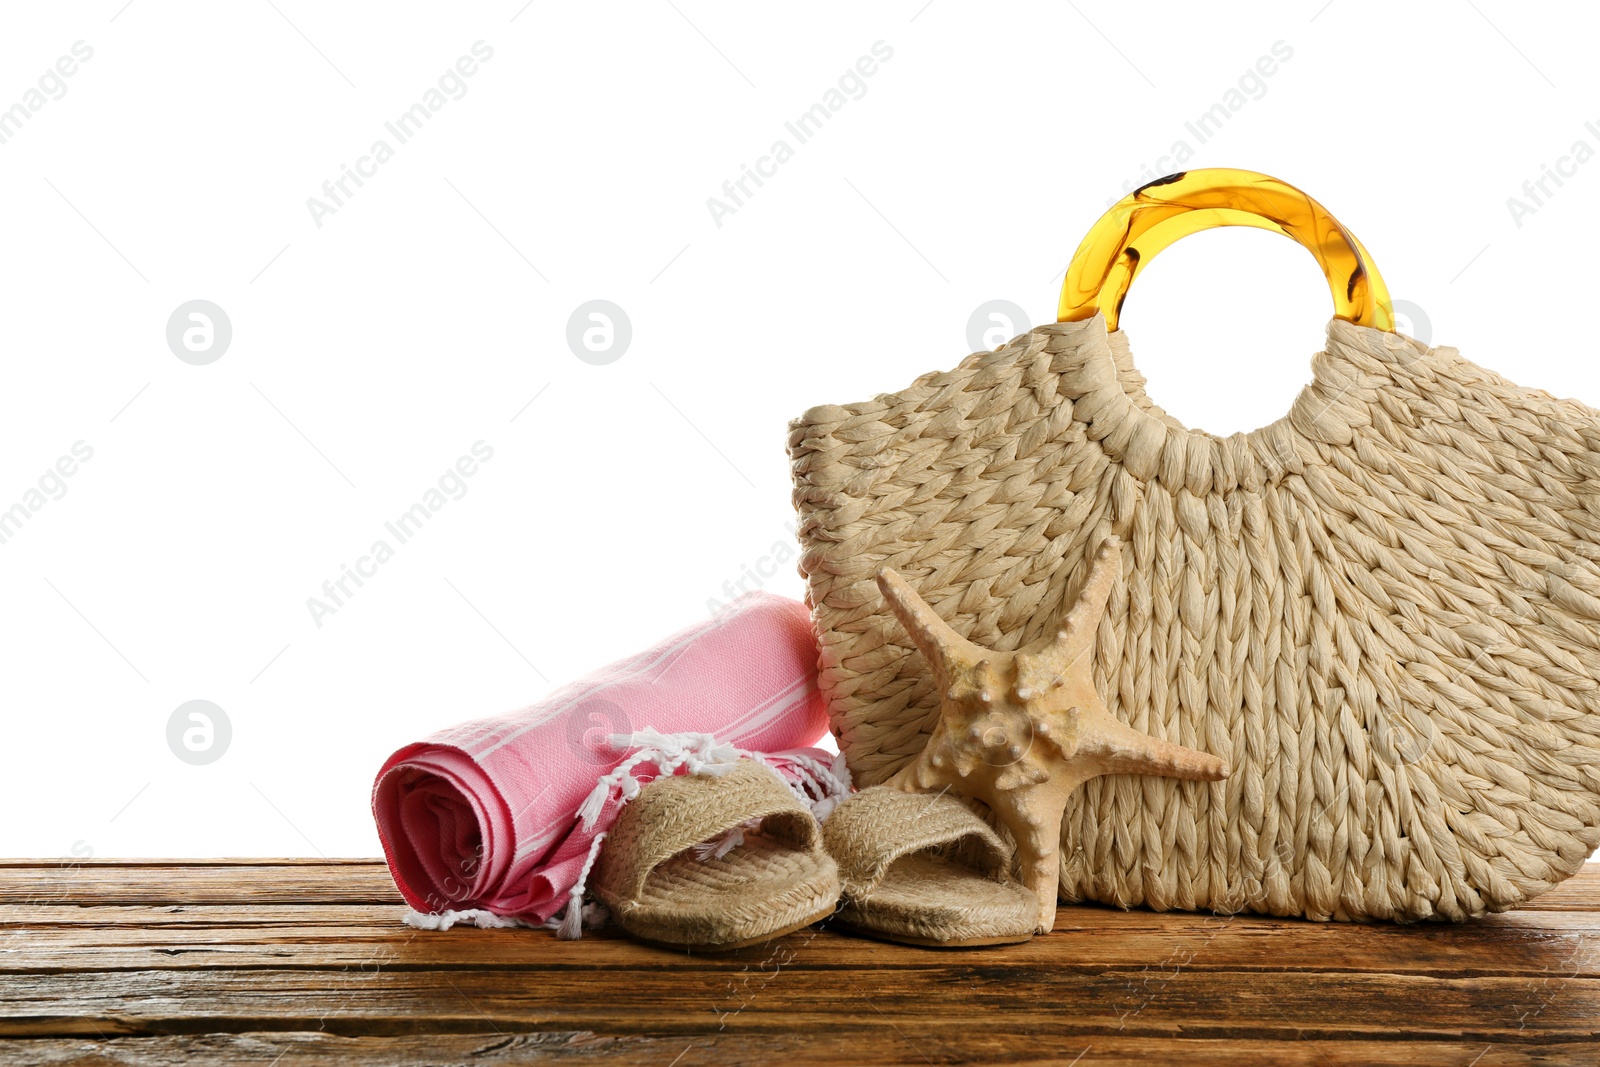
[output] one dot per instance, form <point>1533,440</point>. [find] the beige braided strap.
<point>675,813</point>
<point>867,833</point>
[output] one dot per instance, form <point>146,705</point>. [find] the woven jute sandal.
<point>716,862</point>
<point>922,869</point>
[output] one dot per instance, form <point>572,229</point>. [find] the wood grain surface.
<point>283,962</point>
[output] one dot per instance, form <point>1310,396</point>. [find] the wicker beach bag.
<point>1382,610</point>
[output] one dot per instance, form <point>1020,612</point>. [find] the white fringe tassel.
<point>570,928</point>
<point>820,786</point>
<point>444,920</point>
<point>725,842</point>
<point>697,753</point>
<point>575,918</point>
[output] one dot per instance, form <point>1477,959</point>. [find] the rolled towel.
<point>485,816</point>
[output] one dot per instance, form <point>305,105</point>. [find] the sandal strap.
<point>677,812</point>
<point>867,833</point>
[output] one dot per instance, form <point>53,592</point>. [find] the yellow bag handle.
<point>1155,215</point>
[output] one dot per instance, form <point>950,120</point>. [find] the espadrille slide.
<point>716,861</point>
<point>924,870</point>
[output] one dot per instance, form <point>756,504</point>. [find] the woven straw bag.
<point>1382,610</point>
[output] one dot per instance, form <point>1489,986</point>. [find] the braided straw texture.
<point>1382,610</point>
<point>925,868</point>
<point>778,879</point>
<point>867,833</point>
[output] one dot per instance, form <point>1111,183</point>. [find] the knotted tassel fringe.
<point>570,928</point>
<point>820,786</point>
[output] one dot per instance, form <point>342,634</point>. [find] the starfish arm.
<point>1074,641</point>
<point>1118,748</point>
<point>1021,731</point>
<point>1033,816</point>
<point>912,777</point>
<point>940,645</point>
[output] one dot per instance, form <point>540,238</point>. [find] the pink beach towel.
<point>483,816</point>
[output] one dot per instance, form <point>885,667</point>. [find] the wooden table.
<point>284,962</point>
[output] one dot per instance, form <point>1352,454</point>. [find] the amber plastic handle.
<point>1155,215</point>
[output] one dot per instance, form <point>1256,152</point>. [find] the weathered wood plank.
<point>242,961</point>
<point>158,916</point>
<point>264,883</point>
<point>777,998</point>
<point>201,861</point>
<point>1581,892</point>
<point>1085,939</point>
<point>867,1047</point>
<point>388,916</point>
<point>106,882</point>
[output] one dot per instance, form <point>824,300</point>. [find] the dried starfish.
<point>1021,730</point>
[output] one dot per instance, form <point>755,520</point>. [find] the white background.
<point>425,314</point>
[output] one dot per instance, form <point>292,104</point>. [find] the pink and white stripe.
<point>483,815</point>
